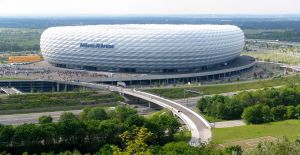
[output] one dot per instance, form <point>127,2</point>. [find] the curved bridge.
<point>199,127</point>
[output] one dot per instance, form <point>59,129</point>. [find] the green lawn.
<point>274,56</point>
<point>288,128</point>
<point>184,135</point>
<point>178,92</point>
<point>38,102</point>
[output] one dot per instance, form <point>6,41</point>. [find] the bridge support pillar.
<point>149,104</point>
<point>57,87</point>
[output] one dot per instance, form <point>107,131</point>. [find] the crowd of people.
<point>40,73</point>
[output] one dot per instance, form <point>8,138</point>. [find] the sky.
<point>146,7</point>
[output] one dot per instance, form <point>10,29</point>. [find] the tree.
<point>254,114</point>
<point>163,126</point>
<point>266,114</point>
<point>297,111</point>
<point>97,114</point>
<point>291,112</point>
<point>203,103</point>
<point>279,112</point>
<point>67,116</point>
<point>121,113</point>
<point>135,142</point>
<point>135,120</point>
<point>6,135</point>
<point>179,148</point>
<point>45,119</point>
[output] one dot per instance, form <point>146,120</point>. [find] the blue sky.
<point>148,7</point>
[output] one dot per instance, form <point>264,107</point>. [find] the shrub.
<point>45,119</point>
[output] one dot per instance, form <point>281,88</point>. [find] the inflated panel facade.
<point>149,47</point>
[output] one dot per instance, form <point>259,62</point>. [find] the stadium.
<point>142,48</point>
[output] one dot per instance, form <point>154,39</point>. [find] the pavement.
<point>227,124</point>
<point>200,128</point>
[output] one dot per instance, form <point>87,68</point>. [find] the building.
<point>24,59</point>
<point>142,48</point>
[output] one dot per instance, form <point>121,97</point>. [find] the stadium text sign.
<point>97,45</point>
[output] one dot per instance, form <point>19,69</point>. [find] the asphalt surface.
<point>200,128</point>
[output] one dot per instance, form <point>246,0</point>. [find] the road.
<point>199,127</point>
<point>227,124</point>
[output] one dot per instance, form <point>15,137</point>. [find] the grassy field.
<point>19,39</point>
<point>274,57</point>
<point>184,135</point>
<point>39,102</point>
<point>288,128</point>
<point>178,92</point>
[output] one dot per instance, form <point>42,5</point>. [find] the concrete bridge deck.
<point>199,127</point>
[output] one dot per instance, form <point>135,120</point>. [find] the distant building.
<point>142,48</point>
<point>24,59</point>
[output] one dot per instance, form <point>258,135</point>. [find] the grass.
<point>160,112</point>
<point>24,103</point>
<point>212,119</point>
<point>19,39</point>
<point>178,92</point>
<point>274,57</point>
<point>287,128</point>
<point>58,108</point>
<point>184,135</point>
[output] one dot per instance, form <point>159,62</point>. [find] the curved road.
<point>200,128</point>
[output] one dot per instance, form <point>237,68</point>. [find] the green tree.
<point>266,114</point>
<point>291,112</point>
<point>279,112</point>
<point>45,119</point>
<point>297,111</point>
<point>67,116</point>
<point>6,136</point>
<point>96,114</point>
<point>135,142</point>
<point>253,114</point>
<point>163,126</point>
<point>121,113</point>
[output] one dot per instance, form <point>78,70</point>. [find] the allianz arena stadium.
<point>142,48</point>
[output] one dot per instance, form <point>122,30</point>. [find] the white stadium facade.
<point>170,50</point>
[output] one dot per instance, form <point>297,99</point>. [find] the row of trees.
<point>93,129</point>
<point>272,104</point>
<point>263,113</point>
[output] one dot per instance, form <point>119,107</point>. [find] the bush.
<point>97,114</point>
<point>257,114</point>
<point>291,112</point>
<point>279,113</point>
<point>45,119</point>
